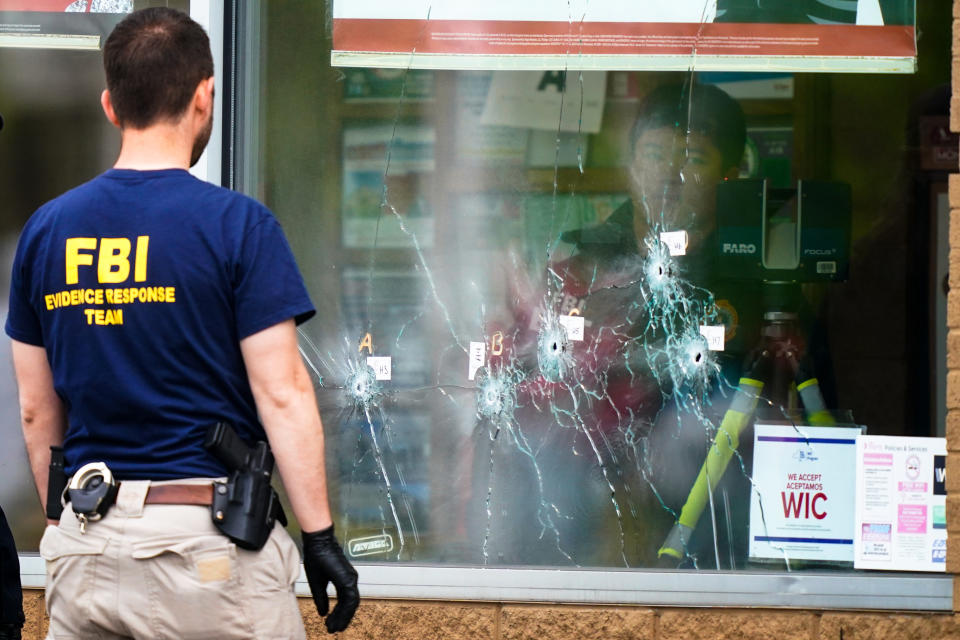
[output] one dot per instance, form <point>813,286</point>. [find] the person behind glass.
<point>686,140</point>
<point>145,307</point>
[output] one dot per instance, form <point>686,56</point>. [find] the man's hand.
<point>324,562</point>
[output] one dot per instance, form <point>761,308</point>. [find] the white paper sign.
<point>804,479</point>
<point>715,335</point>
<point>381,366</point>
<point>477,357</point>
<point>901,521</point>
<point>573,326</point>
<point>532,99</point>
<point>591,10</point>
<point>676,242</point>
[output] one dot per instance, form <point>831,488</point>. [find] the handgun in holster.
<point>246,506</point>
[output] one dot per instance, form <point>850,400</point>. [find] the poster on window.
<point>717,35</point>
<point>59,24</point>
<point>901,518</point>
<point>387,173</point>
<point>802,503</point>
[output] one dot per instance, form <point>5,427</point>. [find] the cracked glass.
<point>549,323</point>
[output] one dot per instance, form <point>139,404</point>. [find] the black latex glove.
<point>324,562</point>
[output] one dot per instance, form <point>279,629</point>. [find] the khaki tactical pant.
<point>163,571</point>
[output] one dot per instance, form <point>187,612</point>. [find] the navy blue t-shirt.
<point>140,285</point>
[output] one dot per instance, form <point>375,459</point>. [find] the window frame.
<point>670,588</point>
<point>226,162</point>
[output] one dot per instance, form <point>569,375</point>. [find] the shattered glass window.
<point>557,309</point>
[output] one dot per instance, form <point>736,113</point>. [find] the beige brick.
<point>953,481</point>
<point>408,620</point>
<point>953,557</point>
<point>955,114</point>
<point>954,241</point>
<point>956,37</point>
<point>953,510</point>
<point>953,532</point>
<point>956,9</point>
<point>35,612</point>
<point>865,626</point>
<point>953,309</point>
<point>953,190</point>
<point>586,623</point>
<point>953,340</point>
<point>718,624</point>
<point>953,389</point>
<point>953,430</point>
<point>955,72</point>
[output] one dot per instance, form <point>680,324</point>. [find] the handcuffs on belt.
<point>92,491</point>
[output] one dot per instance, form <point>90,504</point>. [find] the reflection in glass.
<point>584,328</point>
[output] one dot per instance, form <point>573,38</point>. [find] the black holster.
<point>246,506</point>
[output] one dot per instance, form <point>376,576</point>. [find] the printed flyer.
<point>802,505</point>
<point>901,522</point>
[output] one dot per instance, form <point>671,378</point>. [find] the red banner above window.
<point>59,24</point>
<point>808,35</point>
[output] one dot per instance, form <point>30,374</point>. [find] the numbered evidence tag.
<point>573,326</point>
<point>714,335</point>
<point>676,242</point>
<point>478,354</point>
<point>380,366</point>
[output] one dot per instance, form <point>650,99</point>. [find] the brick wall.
<point>953,337</point>
<point>409,620</point>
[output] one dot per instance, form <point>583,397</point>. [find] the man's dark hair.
<point>154,60</point>
<point>699,108</point>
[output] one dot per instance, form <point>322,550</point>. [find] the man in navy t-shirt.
<point>145,307</point>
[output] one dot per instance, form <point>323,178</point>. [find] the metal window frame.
<point>210,15</point>
<point>807,590</point>
<point>225,162</point>
<point>671,588</point>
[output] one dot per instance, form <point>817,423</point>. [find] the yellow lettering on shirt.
<point>113,264</point>
<point>75,259</point>
<point>140,262</point>
<point>114,296</point>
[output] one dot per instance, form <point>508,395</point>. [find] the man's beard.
<point>200,142</point>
